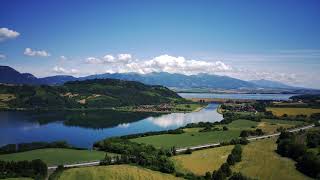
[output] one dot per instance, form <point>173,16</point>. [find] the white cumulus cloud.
<point>30,52</point>
<point>6,33</point>
<point>172,64</point>
<point>110,59</point>
<point>163,63</point>
<point>62,70</point>
<point>94,60</point>
<point>124,57</point>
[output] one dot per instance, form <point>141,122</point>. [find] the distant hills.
<point>175,81</point>
<point>180,80</point>
<point>272,84</point>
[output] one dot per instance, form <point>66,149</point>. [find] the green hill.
<point>97,93</point>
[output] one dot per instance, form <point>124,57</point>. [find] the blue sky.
<point>249,39</point>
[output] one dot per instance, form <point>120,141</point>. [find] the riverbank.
<point>159,108</point>
<point>219,110</point>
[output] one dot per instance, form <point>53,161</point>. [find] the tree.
<point>188,151</point>
<point>108,159</point>
<point>218,175</point>
<point>313,139</point>
<point>238,176</point>
<point>309,164</point>
<point>173,150</point>
<point>207,176</point>
<point>225,168</point>
<point>231,160</point>
<point>244,133</point>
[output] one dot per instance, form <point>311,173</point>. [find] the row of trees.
<point>296,147</point>
<point>246,133</point>
<point>13,148</point>
<point>140,154</point>
<point>225,171</point>
<point>35,169</point>
<point>152,133</point>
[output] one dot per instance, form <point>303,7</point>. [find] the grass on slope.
<point>292,111</point>
<point>56,156</point>
<point>259,160</point>
<point>114,172</point>
<point>202,161</point>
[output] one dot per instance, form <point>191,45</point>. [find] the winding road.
<point>95,163</point>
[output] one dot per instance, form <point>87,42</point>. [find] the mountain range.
<point>176,81</point>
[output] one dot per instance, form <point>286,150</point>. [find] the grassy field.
<point>115,172</point>
<point>202,161</point>
<point>259,160</point>
<point>193,137</point>
<point>188,107</point>
<point>270,126</point>
<point>56,156</point>
<point>188,138</point>
<point>292,111</point>
<point>242,124</point>
<point>4,98</point>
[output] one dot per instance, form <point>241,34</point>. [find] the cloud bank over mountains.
<point>124,63</point>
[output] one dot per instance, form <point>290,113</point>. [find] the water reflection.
<point>83,128</point>
<point>174,120</point>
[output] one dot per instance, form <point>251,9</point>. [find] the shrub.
<point>188,151</point>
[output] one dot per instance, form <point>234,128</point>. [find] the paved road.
<point>250,139</point>
<point>94,163</point>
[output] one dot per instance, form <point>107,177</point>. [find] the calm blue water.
<point>18,127</point>
<point>238,96</point>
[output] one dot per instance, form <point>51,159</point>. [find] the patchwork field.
<point>115,172</point>
<point>193,137</point>
<point>56,156</point>
<point>292,111</point>
<point>259,160</point>
<point>270,126</point>
<point>202,161</point>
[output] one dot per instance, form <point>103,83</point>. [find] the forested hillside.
<point>85,94</point>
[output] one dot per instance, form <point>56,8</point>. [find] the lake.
<point>82,129</point>
<point>238,96</point>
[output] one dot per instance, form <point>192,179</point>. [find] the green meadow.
<point>56,156</point>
